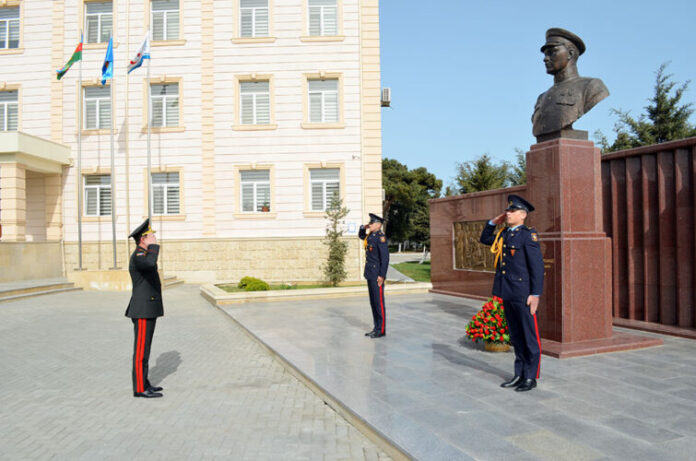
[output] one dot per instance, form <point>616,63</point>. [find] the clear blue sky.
<point>465,74</point>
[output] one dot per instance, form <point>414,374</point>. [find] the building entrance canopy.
<point>34,153</point>
<point>31,171</point>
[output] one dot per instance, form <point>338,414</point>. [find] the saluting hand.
<point>533,303</point>
<point>499,219</point>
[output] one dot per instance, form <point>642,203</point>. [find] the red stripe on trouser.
<point>381,304</point>
<point>139,356</point>
<point>536,328</point>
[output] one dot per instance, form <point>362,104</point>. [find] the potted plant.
<point>490,326</point>
<point>265,207</point>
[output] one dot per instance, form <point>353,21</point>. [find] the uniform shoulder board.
<point>140,253</point>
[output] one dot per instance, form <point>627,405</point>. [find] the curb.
<point>220,297</point>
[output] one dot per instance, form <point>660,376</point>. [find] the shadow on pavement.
<point>458,358</point>
<point>167,364</point>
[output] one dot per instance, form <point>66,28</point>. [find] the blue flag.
<point>108,66</point>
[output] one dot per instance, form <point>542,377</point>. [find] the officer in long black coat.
<point>376,265</point>
<point>519,279</point>
<point>145,306</point>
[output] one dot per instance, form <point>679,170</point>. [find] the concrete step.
<point>31,294</point>
<point>20,287</point>
<point>171,281</point>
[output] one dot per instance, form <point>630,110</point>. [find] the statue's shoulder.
<point>594,91</point>
<point>594,86</point>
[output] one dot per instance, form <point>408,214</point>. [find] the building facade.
<point>260,111</point>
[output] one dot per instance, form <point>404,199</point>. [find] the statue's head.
<point>562,49</point>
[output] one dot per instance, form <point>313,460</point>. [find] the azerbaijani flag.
<point>143,53</point>
<point>108,66</point>
<point>76,56</point>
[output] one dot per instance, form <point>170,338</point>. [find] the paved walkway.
<point>65,388</point>
<point>437,395</point>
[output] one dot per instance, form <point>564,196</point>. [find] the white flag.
<point>143,53</point>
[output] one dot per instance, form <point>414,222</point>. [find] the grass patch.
<point>232,287</point>
<point>418,272</point>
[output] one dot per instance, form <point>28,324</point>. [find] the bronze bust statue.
<point>571,96</point>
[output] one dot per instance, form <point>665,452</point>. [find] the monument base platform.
<point>618,342</point>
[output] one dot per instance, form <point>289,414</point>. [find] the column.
<point>13,208</point>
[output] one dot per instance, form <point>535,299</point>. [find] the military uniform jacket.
<point>146,300</point>
<point>376,254</point>
<point>520,272</point>
<point>566,102</point>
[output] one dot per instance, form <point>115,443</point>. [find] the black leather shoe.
<point>148,394</point>
<point>514,382</point>
<point>374,334</point>
<point>155,389</point>
<point>527,385</point>
<point>369,333</point>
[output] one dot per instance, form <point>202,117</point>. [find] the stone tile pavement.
<point>65,388</point>
<point>437,395</point>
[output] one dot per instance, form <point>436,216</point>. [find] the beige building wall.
<point>209,147</point>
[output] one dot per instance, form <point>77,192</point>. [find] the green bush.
<point>246,281</point>
<point>257,285</point>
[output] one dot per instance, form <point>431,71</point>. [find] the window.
<point>98,21</point>
<point>324,183</point>
<point>255,107</point>
<point>323,101</point>
<point>98,195</point>
<point>253,18</point>
<point>255,190</point>
<point>9,28</point>
<point>97,108</point>
<point>165,19</point>
<point>165,104</point>
<point>9,109</point>
<point>323,17</point>
<point>165,193</point>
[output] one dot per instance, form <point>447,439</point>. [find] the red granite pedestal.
<point>575,312</point>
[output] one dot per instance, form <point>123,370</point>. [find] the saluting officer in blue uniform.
<point>376,264</point>
<point>519,278</point>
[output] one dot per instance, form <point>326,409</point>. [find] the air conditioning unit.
<point>386,97</point>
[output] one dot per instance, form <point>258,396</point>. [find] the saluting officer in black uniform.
<point>145,305</point>
<point>376,264</point>
<point>518,282</point>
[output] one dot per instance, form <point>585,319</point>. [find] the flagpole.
<point>113,165</point>
<point>149,156</point>
<point>79,181</point>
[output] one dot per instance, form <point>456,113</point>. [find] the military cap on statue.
<point>141,230</point>
<point>515,202</point>
<point>554,33</point>
<point>375,218</point>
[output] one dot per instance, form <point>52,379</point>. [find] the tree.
<point>451,191</point>
<point>481,174</point>
<point>665,118</point>
<point>335,267</point>
<point>518,170</point>
<point>406,195</point>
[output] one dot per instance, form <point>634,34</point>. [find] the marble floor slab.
<point>437,395</point>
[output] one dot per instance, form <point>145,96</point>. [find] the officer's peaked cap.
<point>515,202</point>
<point>141,230</point>
<point>375,218</point>
<point>554,33</point>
